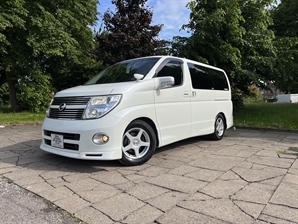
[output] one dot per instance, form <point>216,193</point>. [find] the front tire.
<point>219,128</point>
<point>138,143</point>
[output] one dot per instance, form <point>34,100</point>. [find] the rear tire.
<point>219,128</point>
<point>138,143</point>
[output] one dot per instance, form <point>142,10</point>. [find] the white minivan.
<point>135,106</point>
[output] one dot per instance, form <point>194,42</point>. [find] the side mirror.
<point>138,77</point>
<point>164,82</point>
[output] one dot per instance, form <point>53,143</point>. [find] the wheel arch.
<point>225,119</point>
<point>152,124</point>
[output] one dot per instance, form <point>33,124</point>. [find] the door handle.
<point>185,94</point>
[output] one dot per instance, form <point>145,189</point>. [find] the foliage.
<point>66,73</point>
<point>234,36</point>
<point>285,19</point>
<point>286,70</point>
<point>127,33</point>
<point>35,92</point>
<point>237,97</point>
<point>254,95</point>
<point>32,33</point>
<point>285,28</point>
<point>179,46</point>
<point>4,96</point>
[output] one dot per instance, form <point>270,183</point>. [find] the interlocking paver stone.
<point>252,175</point>
<point>286,194</point>
<point>181,215</point>
<point>93,216</point>
<point>255,192</point>
<point>222,209</point>
<point>72,203</point>
<point>205,175</point>
<point>222,189</point>
<point>269,161</point>
<point>177,183</point>
<point>220,163</point>
<point>284,213</point>
<point>252,209</point>
<point>119,206</point>
<point>240,179</point>
<point>146,214</point>
<point>168,200</point>
<point>145,191</point>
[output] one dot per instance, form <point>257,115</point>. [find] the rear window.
<point>207,78</point>
<point>200,77</point>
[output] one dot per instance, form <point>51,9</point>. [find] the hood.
<point>99,89</point>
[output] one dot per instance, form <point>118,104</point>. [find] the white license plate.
<point>57,141</point>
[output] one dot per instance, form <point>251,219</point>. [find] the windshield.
<point>124,71</point>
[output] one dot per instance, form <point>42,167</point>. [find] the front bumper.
<point>77,137</point>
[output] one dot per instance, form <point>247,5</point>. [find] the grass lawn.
<point>268,115</point>
<point>7,118</point>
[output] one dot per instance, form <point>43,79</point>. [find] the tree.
<point>233,35</point>
<point>179,46</point>
<point>127,33</point>
<point>285,19</point>
<point>32,33</point>
<point>285,28</point>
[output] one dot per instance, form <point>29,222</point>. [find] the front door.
<point>173,109</point>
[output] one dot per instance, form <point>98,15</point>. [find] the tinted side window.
<point>172,68</point>
<point>219,80</point>
<point>200,77</point>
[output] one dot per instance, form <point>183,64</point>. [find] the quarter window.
<point>219,80</point>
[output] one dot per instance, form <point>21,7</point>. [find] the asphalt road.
<point>18,205</point>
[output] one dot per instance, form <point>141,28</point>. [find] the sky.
<point>171,13</point>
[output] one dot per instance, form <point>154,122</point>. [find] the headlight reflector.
<point>98,106</point>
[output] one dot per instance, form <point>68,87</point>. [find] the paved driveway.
<point>240,179</point>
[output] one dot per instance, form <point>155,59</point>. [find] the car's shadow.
<point>28,154</point>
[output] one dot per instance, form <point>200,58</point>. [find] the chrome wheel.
<point>219,127</point>
<point>138,143</point>
<point>135,143</point>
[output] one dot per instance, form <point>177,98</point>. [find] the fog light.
<point>100,138</point>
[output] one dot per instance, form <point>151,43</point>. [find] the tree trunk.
<point>15,106</point>
<point>2,77</point>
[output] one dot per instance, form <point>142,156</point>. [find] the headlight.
<point>98,106</point>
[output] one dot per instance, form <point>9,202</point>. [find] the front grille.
<point>68,136</point>
<point>74,147</point>
<point>72,113</point>
<point>71,100</point>
<point>66,114</point>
